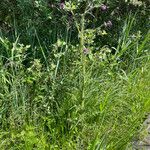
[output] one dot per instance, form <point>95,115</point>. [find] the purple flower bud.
<point>103,7</point>
<point>108,24</point>
<point>85,51</point>
<point>62,5</point>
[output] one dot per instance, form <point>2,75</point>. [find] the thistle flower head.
<point>103,7</point>
<point>62,5</point>
<point>85,51</point>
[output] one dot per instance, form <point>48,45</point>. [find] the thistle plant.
<point>84,38</point>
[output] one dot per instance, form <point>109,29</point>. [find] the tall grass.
<point>59,101</point>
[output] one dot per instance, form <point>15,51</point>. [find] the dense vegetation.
<point>73,74</point>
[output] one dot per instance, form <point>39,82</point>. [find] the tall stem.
<point>82,54</point>
<point>80,29</point>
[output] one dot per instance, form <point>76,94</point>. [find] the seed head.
<point>108,24</point>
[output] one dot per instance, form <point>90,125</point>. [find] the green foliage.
<point>72,74</point>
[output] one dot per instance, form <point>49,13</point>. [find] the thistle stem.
<point>82,54</point>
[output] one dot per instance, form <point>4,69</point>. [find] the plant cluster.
<point>73,74</point>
